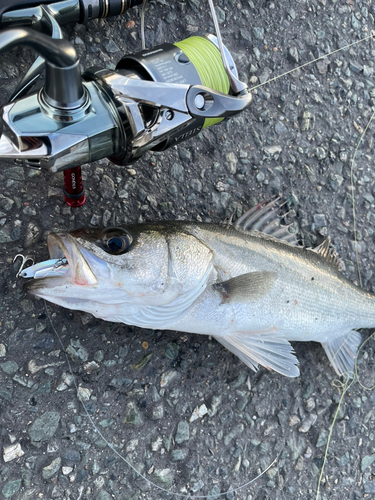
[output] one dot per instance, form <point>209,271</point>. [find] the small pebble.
<point>308,422</point>
<point>84,393</point>
<point>156,445</point>
<point>167,377</point>
<point>310,404</point>
<point>198,412</point>
<point>51,469</point>
<point>12,451</point>
<point>9,367</point>
<point>182,433</point>
<point>294,420</point>
<point>91,367</point>
<point>44,427</point>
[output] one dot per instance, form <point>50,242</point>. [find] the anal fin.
<point>342,352</point>
<point>243,357</point>
<point>267,348</point>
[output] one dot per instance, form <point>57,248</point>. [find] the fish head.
<point>135,265</point>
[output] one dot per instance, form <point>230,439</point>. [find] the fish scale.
<point>250,290</point>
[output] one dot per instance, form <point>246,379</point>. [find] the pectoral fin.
<point>246,287</point>
<point>342,352</point>
<point>269,349</point>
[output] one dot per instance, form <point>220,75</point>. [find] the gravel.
<point>185,412</point>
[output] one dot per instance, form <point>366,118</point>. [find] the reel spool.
<point>193,61</point>
<point>206,58</point>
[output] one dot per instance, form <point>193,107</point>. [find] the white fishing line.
<point>371,36</point>
<point>181,495</point>
<point>144,5</point>
<point>314,60</point>
<point>353,199</point>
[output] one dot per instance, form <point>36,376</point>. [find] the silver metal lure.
<point>48,268</point>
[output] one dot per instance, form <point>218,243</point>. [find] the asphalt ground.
<point>298,139</point>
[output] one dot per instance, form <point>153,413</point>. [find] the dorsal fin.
<point>328,253</point>
<point>264,218</point>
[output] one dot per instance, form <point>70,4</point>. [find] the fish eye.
<point>116,241</point>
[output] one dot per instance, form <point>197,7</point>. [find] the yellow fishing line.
<point>207,61</point>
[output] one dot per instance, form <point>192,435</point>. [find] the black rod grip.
<point>93,9</point>
<point>112,8</point>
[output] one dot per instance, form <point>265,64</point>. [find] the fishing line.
<point>314,60</point>
<point>144,5</point>
<point>353,200</point>
<point>345,386</point>
<point>182,495</point>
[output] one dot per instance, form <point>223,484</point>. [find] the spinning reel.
<point>154,99</point>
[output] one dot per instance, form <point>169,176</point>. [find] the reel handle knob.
<point>73,188</point>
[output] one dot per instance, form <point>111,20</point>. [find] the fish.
<point>248,284</point>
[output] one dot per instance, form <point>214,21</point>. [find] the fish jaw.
<point>78,274</point>
<point>79,267</point>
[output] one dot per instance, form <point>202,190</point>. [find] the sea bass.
<point>247,284</point>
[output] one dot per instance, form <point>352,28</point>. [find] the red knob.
<point>73,187</point>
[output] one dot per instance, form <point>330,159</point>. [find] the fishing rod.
<point>154,99</point>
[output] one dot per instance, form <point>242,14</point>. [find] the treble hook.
<point>24,260</point>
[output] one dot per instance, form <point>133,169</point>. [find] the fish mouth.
<point>74,268</point>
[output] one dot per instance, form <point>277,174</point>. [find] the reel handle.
<point>62,65</point>
<point>11,5</point>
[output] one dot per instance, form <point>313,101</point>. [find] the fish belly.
<point>299,314</point>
